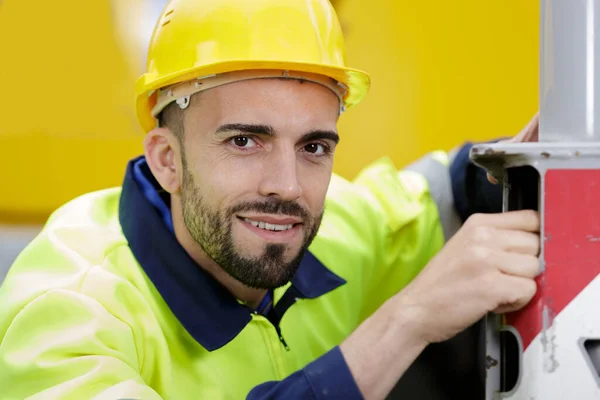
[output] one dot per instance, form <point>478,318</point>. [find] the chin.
<point>253,247</point>
<point>257,252</point>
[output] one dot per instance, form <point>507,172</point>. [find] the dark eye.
<point>240,141</point>
<point>315,148</point>
<point>243,142</point>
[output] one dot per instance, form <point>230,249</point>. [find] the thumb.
<point>491,179</point>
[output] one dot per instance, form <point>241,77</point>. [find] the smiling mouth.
<point>267,226</point>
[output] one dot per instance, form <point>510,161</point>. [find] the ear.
<point>161,151</point>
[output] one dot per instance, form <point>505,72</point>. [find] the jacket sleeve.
<point>83,352</point>
<point>471,191</point>
<point>328,377</point>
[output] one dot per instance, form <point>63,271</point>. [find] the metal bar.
<point>569,42</point>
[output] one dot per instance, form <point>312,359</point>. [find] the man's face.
<point>257,162</point>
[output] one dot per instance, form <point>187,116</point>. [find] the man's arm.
<point>488,266</point>
<point>366,365</point>
<point>67,345</point>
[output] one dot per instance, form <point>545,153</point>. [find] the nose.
<point>280,176</point>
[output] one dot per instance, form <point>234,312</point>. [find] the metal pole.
<point>558,354</point>
<point>569,66</point>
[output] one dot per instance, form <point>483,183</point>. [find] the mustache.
<point>273,206</point>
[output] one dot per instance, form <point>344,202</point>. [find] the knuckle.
<point>474,220</point>
<point>477,254</point>
<point>482,233</point>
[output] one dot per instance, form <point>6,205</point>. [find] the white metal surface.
<point>570,375</point>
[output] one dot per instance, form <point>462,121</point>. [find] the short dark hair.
<point>171,117</point>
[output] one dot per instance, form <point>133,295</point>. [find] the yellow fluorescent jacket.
<point>104,304</point>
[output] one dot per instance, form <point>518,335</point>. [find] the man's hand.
<point>488,266</point>
<point>529,134</point>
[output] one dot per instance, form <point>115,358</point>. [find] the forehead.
<point>277,102</point>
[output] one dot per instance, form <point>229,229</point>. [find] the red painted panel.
<point>572,246</point>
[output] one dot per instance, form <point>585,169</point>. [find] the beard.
<point>212,230</point>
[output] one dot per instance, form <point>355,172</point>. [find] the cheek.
<point>226,179</point>
<point>315,182</point>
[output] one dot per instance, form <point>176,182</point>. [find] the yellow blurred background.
<point>443,72</point>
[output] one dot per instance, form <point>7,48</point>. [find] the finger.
<point>530,133</point>
<point>535,133</point>
<point>516,264</point>
<point>532,130</point>
<point>514,293</point>
<point>491,179</point>
<point>522,220</point>
<point>517,241</point>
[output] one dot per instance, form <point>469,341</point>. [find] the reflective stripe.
<point>434,167</point>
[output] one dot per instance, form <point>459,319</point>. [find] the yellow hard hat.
<point>196,41</point>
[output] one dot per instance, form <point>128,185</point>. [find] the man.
<point>231,263</point>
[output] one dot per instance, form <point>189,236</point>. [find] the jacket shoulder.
<point>99,208</point>
<point>77,237</point>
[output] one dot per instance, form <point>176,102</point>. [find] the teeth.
<point>267,226</point>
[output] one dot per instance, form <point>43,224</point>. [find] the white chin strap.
<point>182,92</point>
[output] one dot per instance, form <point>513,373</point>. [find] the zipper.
<point>281,338</point>
<point>274,345</point>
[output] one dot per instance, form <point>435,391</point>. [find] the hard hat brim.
<point>357,82</point>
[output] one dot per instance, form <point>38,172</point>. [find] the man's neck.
<point>251,297</point>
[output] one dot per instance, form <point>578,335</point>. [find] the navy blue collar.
<point>211,315</point>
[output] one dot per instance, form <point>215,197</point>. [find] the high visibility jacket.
<point>106,304</point>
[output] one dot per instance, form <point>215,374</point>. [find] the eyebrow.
<point>248,128</point>
<point>319,134</point>
<point>267,130</point>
